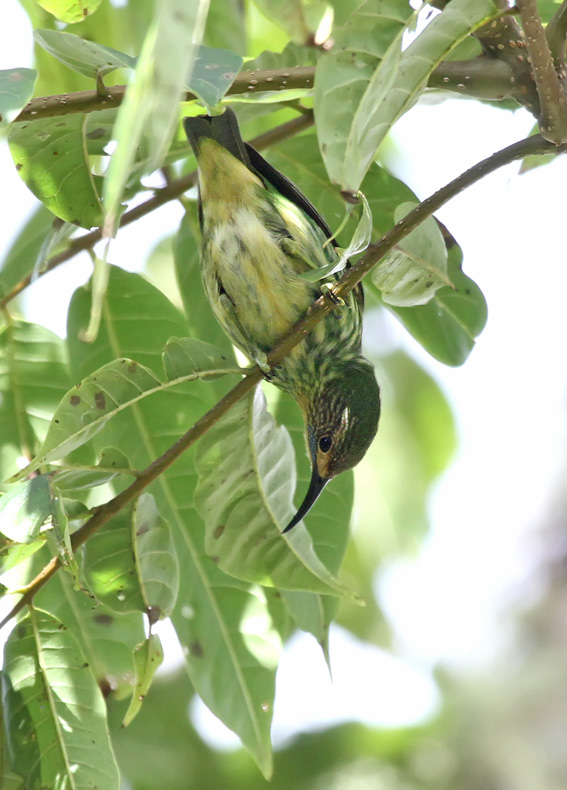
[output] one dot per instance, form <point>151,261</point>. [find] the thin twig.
<point>552,96</point>
<point>531,146</point>
<point>170,192</point>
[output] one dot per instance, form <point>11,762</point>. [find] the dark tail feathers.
<point>221,128</point>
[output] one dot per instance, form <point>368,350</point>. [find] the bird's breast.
<point>252,284</point>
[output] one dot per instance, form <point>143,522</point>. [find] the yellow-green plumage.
<point>259,233</point>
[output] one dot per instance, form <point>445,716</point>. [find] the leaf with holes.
<point>52,157</point>
<point>213,73</point>
<point>54,711</point>
<point>107,639</point>
<point>232,670</point>
<point>85,410</point>
<point>70,11</point>
<point>33,378</point>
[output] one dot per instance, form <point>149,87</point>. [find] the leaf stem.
<point>531,146</point>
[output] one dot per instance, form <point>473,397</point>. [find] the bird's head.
<point>341,421</point>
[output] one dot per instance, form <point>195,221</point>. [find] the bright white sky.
<point>509,400</point>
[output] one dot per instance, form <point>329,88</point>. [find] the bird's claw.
<point>261,359</point>
<point>327,290</point>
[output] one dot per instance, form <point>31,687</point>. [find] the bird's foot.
<point>337,301</point>
<point>261,359</point>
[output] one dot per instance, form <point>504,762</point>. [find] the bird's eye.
<point>325,443</point>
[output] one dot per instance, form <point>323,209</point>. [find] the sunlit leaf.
<point>107,640</point>
<point>16,87</point>
<point>70,10</point>
<point>448,325</point>
<point>156,562</point>
<point>416,268</point>
<point>33,378</point>
<point>362,91</point>
<point>24,509</point>
<point>52,157</point>
<point>85,57</point>
<point>55,713</point>
<point>147,658</point>
<point>213,73</point>
<point>112,463</point>
<point>21,258</point>
<point>351,81</point>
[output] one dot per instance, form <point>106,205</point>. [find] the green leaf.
<point>351,81</point>
<point>107,640</point>
<point>70,11</point>
<point>448,325</point>
<point>25,508</point>
<point>12,554</point>
<point>151,106</point>
<point>156,561</point>
<point>187,356</point>
<point>33,378</point>
<point>147,658</point>
<point>20,261</point>
<point>416,268</point>
<point>55,714</point>
<point>246,468</point>
<point>328,523</point>
<point>234,680</point>
<point>52,157</point>
<point>85,57</point>
<point>371,94</point>
<point>16,88</point>
<point>226,26</point>
<point>110,566</point>
<point>213,73</point>
<point>359,242</point>
<point>112,462</point>
<point>85,410</point>
<point>287,14</point>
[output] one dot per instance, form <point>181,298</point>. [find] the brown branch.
<point>170,192</point>
<point>91,101</point>
<point>556,35</point>
<point>480,78</point>
<point>531,146</point>
<point>552,96</point>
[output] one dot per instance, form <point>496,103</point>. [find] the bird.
<point>259,234</point>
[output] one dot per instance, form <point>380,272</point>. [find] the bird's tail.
<point>223,129</point>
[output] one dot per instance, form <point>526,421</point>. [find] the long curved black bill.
<point>316,485</point>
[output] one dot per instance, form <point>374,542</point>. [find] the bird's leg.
<point>327,291</point>
<point>261,359</point>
